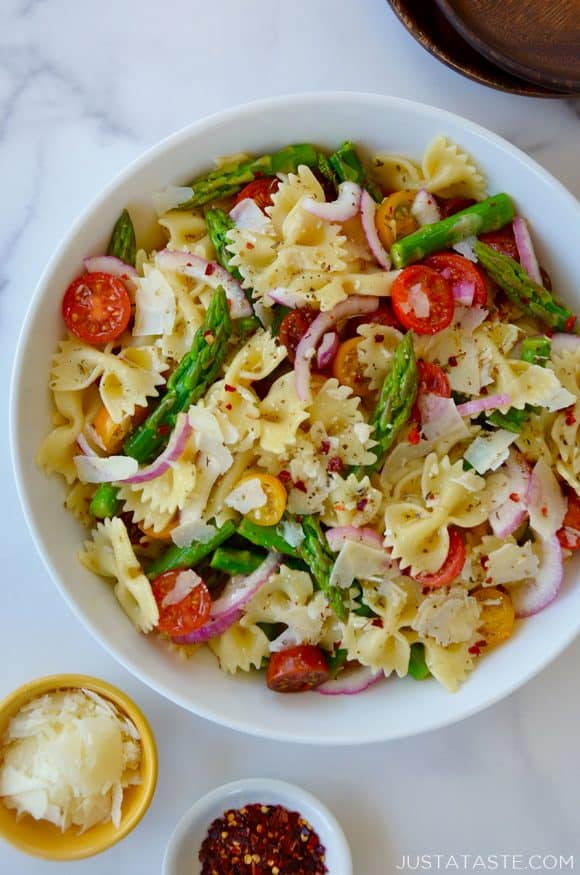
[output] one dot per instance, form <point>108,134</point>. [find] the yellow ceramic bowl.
<point>43,839</point>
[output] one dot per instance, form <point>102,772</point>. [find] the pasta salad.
<point>330,428</point>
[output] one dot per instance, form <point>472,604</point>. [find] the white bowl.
<point>390,710</point>
<point>181,856</point>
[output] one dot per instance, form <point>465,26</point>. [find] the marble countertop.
<point>85,87</point>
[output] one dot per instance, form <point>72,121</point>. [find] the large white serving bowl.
<point>388,710</point>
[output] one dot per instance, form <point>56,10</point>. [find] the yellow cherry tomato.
<point>497,615</point>
<point>394,218</point>
<point>111,434</point>
<point>163,535</point>
<point>272,512</point>
<point>348,370</point>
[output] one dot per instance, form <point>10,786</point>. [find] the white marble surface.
<point>84,88</point>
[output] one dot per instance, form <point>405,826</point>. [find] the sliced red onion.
<point>285,297</point>
<point>537,593</point>
<point>511,500</point>
<point>185,582</point>
<point>545,502</point>
<point>355,305</point>
<point>565,343</point>
<point>368,209</point>
<point>345,207</point>
<point>113,266</point>
<point>248,216</point>
<point>425,208</point>
<point>228,607</point>
<point>85,446</point>
<point>439,417</point>
<point>463,292</point>
<point>174,449</point>
<point>351,680</point>
<point>327,349</point>
<point>487,402</point>
<point>287,639</point>
<point>339,535</point>
<point>525,248</point>
<point>469,318</point>
<point>209,272</point>
<point>465,248</point>
<point>111,469</point>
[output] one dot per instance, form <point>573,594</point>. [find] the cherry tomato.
<point>502,241</point>
<point>272,512</point>
<point>297,669</point>
<point>383,316</point>
<point>347,368</point>
<point>497,615</point>
<point>417,287</point>
<point>452,565</point>
<point>569,534</point>
<point>448,206</point>
<point>294,326</point>
<point>457,269</point>
<point>188,614</point>
<point>260,191</point>
<point>394,218</point>
<point>96,307</point>
<point>433,381</point>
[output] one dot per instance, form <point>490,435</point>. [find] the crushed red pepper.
<point>262,840</point>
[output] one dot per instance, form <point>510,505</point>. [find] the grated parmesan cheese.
<point>67,757</point>
<point>248,496</point>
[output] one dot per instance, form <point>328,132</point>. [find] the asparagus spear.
<point>395,402</point>
<point>218,224</point>
<point>105,503</point>
<point>315,554</point>
<point>187,557</point>
<point>236,561</point>
<point>269,537</point>
<point>523,291</point>
<point>417,665</point>
<point>535,351</point>
<point>224,182</point>
<point>348,168</point>
<point>488,215</point>
<point>196,371</point>
<point>122,243</point>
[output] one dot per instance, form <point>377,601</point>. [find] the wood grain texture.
<point>430,27</point>
<point>538,40</point>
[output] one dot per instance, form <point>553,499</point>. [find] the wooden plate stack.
<point>529,47</point>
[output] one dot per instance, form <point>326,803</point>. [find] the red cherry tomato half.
<point>448,206</point>
<point>433,381</point>
<point>294,326</point>
<point>383,316</point>
<point>502,241</point>
<point>188,614</point>
<point>297,669</point>
<point>260,191</point>
<point>422,289</point>
<point>96,307</point>
<point>569,534</point>
<point>452,565</point>
<point>457,269</point>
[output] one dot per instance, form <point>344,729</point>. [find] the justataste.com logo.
<point>487,863</point>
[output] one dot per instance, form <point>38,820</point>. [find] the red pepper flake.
<point>514,496</point>
<point>301,486</point>
<point>209,269</point>
<point>379,338</point>
<point>544,511</point>
<point>570,418</point>
<point>285,476</point>
<point>229,406</point>
<point>262,840</point>
<point>324,447</point>
<point>163,430</point>
<point>475,649</point>
<point>569,323</point>
<point>362,503</point>
<point>481,643</point>
<point>229,388</point>
<point>335,465</point>
<point>250,245</point>
<point>426,590</point>
<point>378,622</point>
<point>452,361</point>
<point>484,561</point>
<point>414,437</point>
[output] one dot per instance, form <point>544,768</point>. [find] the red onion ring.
<point>227,609</point>
<point>489,402</point>
<point>368,209</point>
<point>350,681</point>
<point>286,298</point>
<point>534,595</point>
<point>525,249</point>
<point>355,305</point>
<point>208,272</point>
<point>114,267</point>
<point>345,207</point>
<point>565,343</point>
<point>174,449</point>
<point>327,349</point>
<point>339,535</point>
<point>85,445</point>
<point>511,511</point>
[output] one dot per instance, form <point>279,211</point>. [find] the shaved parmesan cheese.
<point>489,451</point>
<point>425,208</point>
<point>94,469</point>
<point>184,583</point>
<point>510,563</point>
<point>192,530</point>
<point>292,532</point>
<point>247,496</point>
<point>154,305</point>
<point>359,561</point>
<point>248,216</point>
<point>66,758</point>
<point>448,617</point>
<point>171,197</point>
<point>419,302</point>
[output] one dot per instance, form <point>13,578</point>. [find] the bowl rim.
<point>289,795</point>
<point>232,114</point>
<point>26,692</point>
